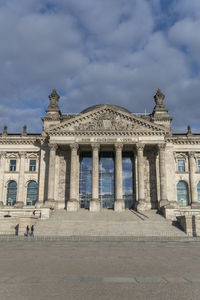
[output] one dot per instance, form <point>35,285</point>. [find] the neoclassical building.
<point>105,157</point>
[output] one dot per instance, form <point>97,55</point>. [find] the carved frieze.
<point>107,122</point>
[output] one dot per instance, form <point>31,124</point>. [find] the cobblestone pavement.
<point>99,270</point>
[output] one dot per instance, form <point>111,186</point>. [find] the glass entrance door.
<point>106,180</point>
<point>127,173</point>
<point>85,184</point>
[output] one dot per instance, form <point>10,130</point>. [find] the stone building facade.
<point>103,157</point>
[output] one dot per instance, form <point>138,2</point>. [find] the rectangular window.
<point>13,165</point>
<point>181,166</point>
<point>198,165</point>
<point>32,166</point>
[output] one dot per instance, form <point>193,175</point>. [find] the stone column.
<point>2,170</point>
<point>119,202</point>
<point>21,195</point>
<point>163,182</point>
<point>51,178</point>
<point>94,203</point>
<point>73,204</point>
<point>193,186</point>
<point>41,171</point>
<point>140,170</point>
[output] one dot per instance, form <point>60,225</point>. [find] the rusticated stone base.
<point>95,205</point>
<point>195,205</point>
<point>72,205</point>
<point>143,205</point>
<point>119,205</point>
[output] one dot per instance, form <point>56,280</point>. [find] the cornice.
<point>21,140</point>
<point>184,140</point>
<point>109,133</point>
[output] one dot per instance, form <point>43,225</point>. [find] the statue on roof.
<point>53,98</point>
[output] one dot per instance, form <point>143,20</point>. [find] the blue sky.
<point>99,51</point>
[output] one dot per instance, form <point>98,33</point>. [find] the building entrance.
<point>106,180</point>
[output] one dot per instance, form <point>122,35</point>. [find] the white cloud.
<point>95,52</point>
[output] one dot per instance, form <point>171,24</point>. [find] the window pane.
<point>11,193</point>
<point>32,166</point>
<point>182,193</point>
<point>32,193</point>
<point>12,165</point>
<point>181,165</point>
<point>198,165</point>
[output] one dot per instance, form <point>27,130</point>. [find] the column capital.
<point>53,146</point>
<point>140,146</point>
<point>74,146</point>
<point>118,146</point>
<point>3,154</point>
<point>22,154</point>
<point>161,146</point>
<point>191,154</point>
<point>95,146</point>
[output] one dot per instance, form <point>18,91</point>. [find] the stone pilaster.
<point>163,182</point>
<point>2,170</point>
<point>142,204</point>
<point>119,202</point>
<point>193,186</point>
<point>94,203</point>
<point>73,204</point>
<point>51,178</point>
<point>21,195</point>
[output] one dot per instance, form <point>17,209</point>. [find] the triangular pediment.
<point>106,120</point>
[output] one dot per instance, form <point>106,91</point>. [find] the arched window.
<point>198,191</point>
<point>182,193</point>
<point>11,193</point>
<point>32,193</point>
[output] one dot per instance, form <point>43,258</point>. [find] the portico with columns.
<point>104,157</point>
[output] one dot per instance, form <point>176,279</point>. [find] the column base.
<point>19,204</point>
<point>195,205</point>
<point>143,205</point>
<point>119,205</point>
<point>39,204</point>
<point>72,205</point>
<point>50,204</point>
<point>163,202</point>
<point>95,205</point>
<point>1,204</point>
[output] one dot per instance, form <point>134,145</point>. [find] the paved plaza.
<point>62,269</point>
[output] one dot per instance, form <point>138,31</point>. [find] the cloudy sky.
<point>99,51</point>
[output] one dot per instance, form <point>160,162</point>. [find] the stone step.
<point>106,223</point>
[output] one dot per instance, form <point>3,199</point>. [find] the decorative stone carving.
<point>95,146</point>
<point>161,147</point>
<point>107,122</point>
<point>159,98</point>
<point>53,98</point>
<point>5,133</point>
<point>53,147</point>
<point>140,146</point>
<point>24,133</point>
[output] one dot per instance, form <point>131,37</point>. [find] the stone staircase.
<point>106,223</point>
